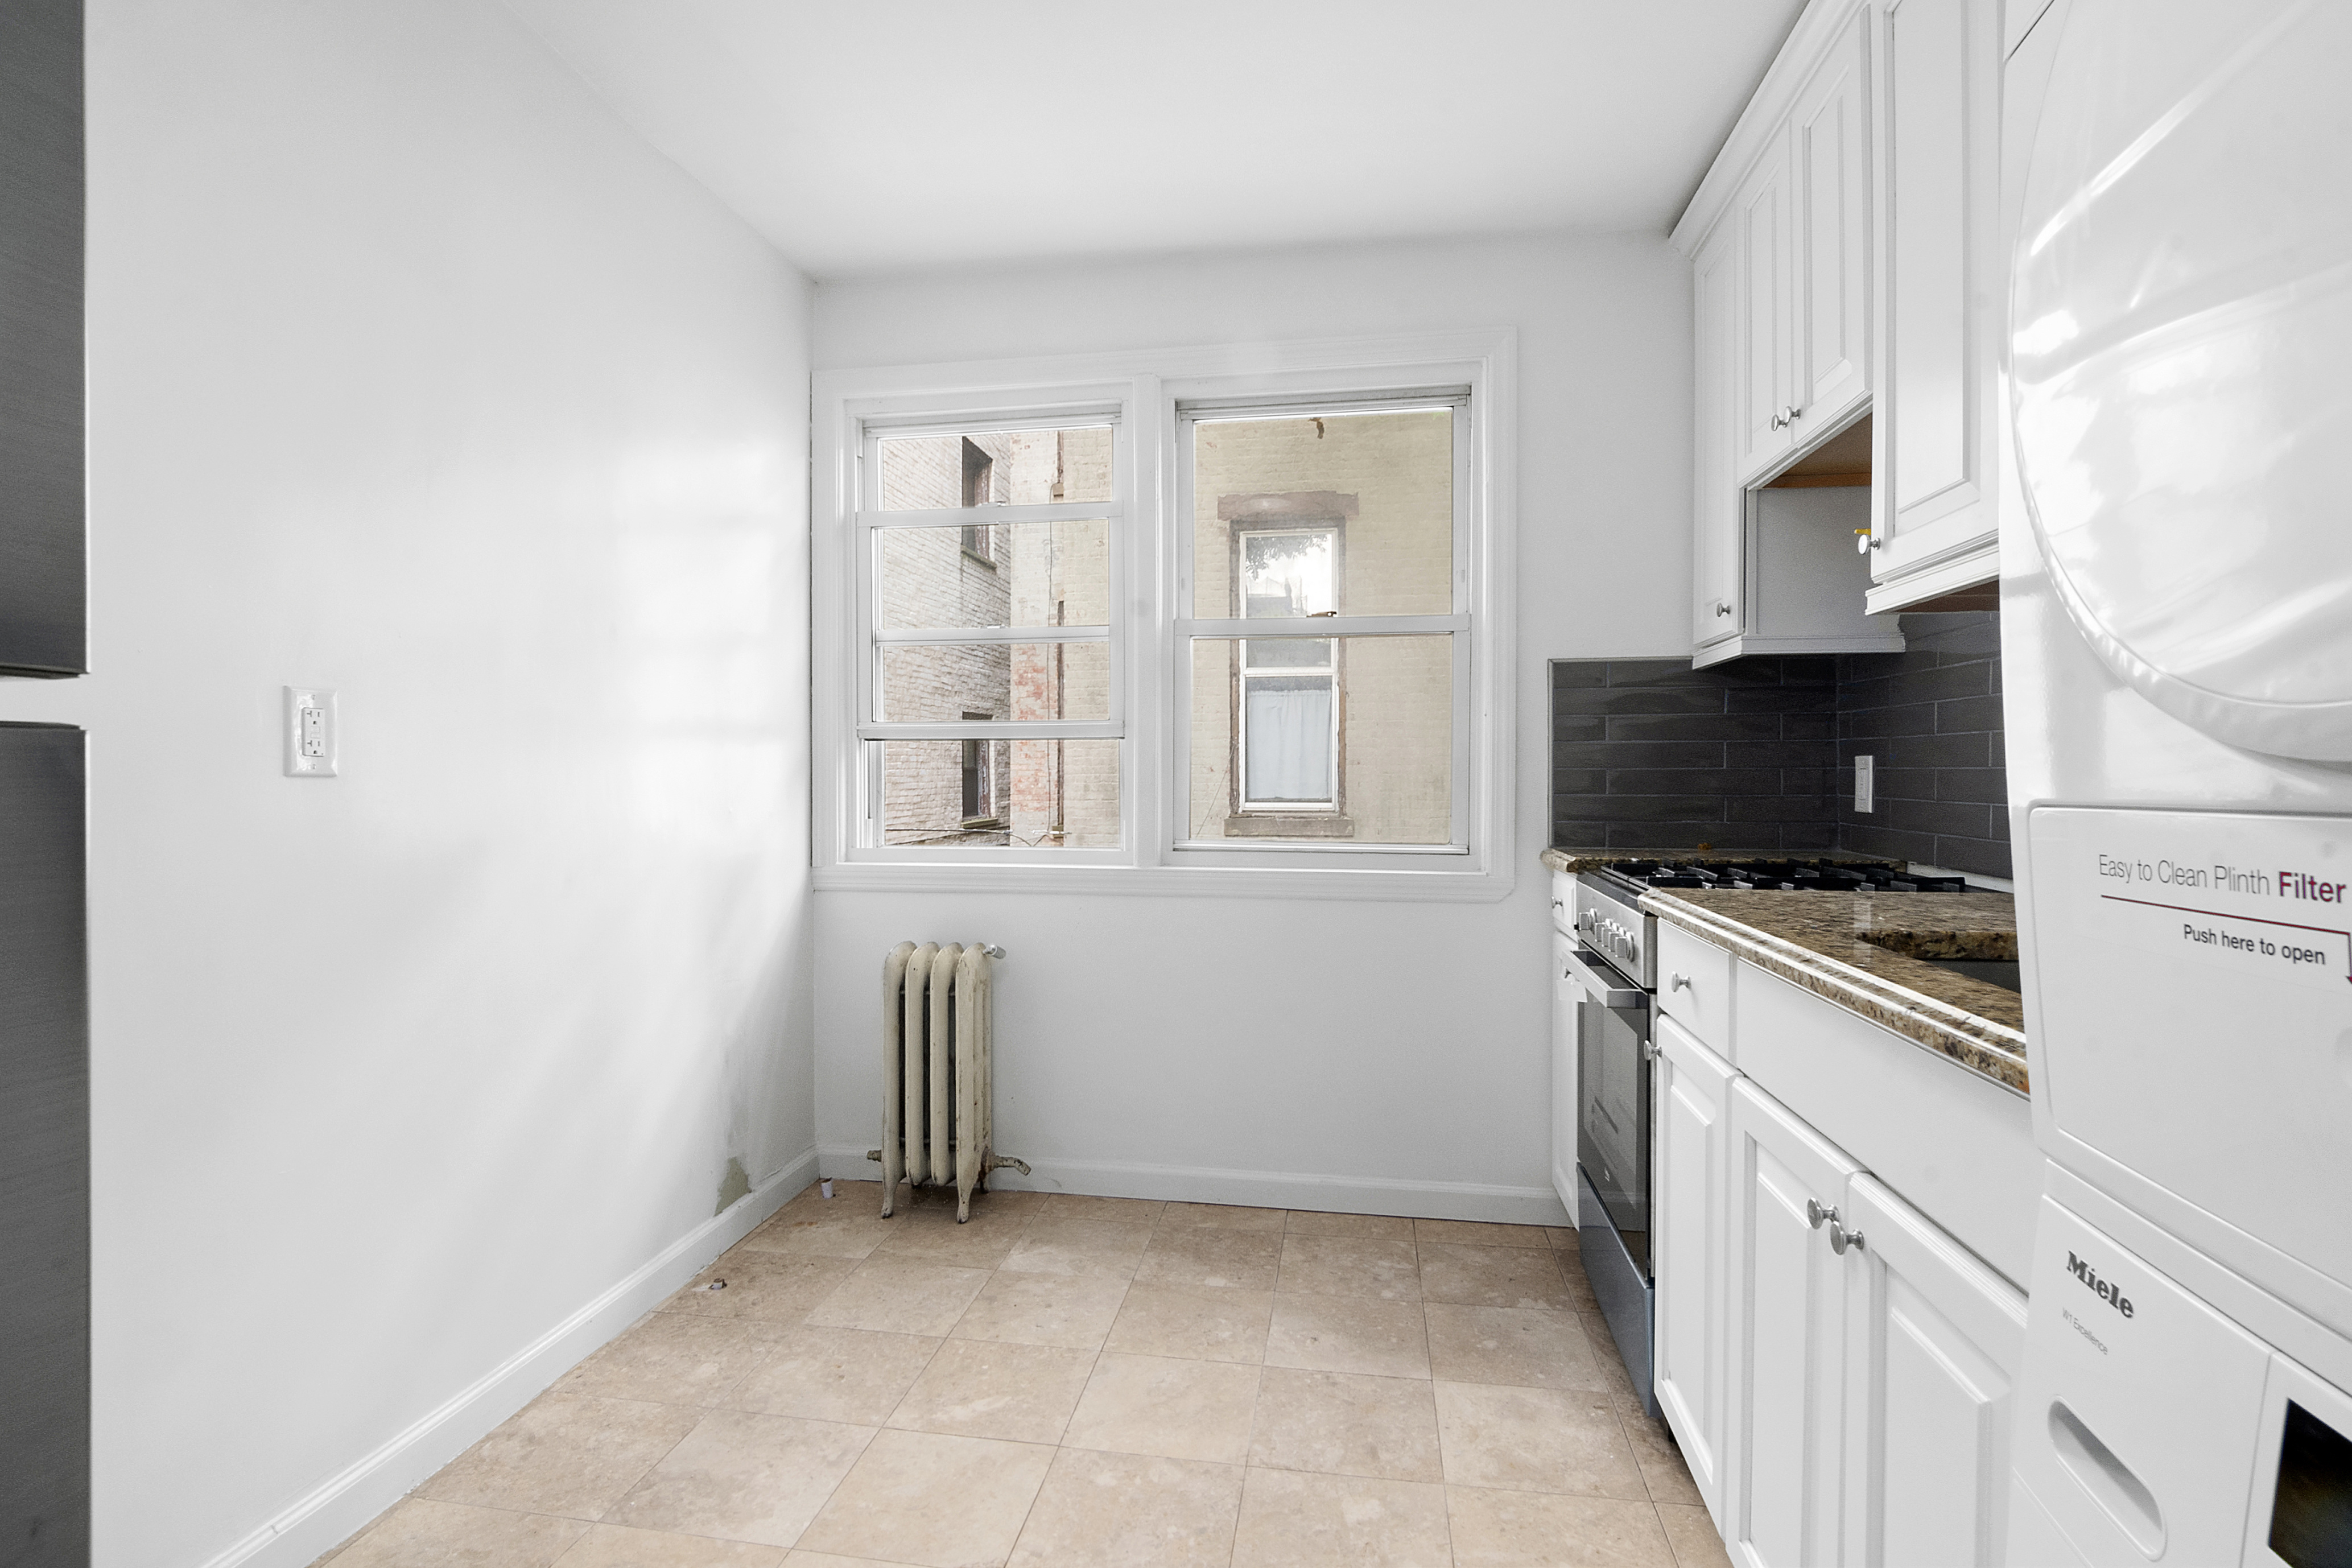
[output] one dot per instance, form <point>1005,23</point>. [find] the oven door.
<point>1612,1133</point>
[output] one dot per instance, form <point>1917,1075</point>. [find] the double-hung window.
<point>1201,618</point>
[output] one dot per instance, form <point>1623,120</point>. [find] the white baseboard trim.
<point>340,1505</point>
<point>1254,1189</point>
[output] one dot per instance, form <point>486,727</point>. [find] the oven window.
<point>1612,1138</point>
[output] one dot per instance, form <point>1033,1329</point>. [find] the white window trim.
<point>1147,701</point>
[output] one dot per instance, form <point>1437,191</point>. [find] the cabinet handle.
<point>1815,1215</point>
<point>1723,606</point>
<point>1841,1238</point>
<point>1680,983</point>
<point>1781,421</point>
<point>1795,414</point>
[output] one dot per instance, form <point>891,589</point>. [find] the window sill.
<point>1456,884</point>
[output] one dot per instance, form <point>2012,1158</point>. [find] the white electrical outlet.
<point>1864,784</point>
<point>310,732</point>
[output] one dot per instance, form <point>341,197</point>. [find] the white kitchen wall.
<point>414,374</point>
<point>1384,1057</point>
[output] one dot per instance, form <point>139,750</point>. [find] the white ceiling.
<point>873,135</point>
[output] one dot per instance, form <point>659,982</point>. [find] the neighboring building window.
<point>1287,723</point>
<point>979,489</point>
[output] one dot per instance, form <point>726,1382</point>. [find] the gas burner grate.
<point>1784,876</point>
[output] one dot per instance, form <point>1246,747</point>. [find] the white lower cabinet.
<point>1933,1342</point>
<point>1787,1303</point>
<point>1836,1367</point>
<point>1688,1191</point>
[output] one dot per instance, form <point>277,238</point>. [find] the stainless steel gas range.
<point>1606,953</point>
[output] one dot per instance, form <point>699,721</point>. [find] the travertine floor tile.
<point>771,1287</point>
<point>1210,1257</point>
<point>1053,1246</point>
<point>1176,1409</point>
<point>893,1297</point>
<point>1295,1520</point>
<point>1193,1325</point>
<point>975,1388</point>
<point>1340,1333</point>
<point>798,1559</point>
<point>1119,1210</point>
<point>1564,1237</point>
<point>1664,1470</point>
<point>938,1502</point>
<point>1346,1423</point>
<point>616,1546</point>
<point>1223,1216</point>
<point>1693,1535</point>
<point>1361,1226</point>
<point>1491,1277</point>
<point>1130,1510</point>
<point>742,1477</point>
<point>1572,1276</point>
<point>1073,1312</point>
<point>934,1236</point>
<point>564,1454</point>
<point>1535,1439</point>
<point>1532,1529</point>
<point>1479,1232</point>
<point>1350,1266</point>
<point>837,1229</point>
<point>671,1358</point>
<point>853,1375</point>
<point>1510,1345</point>
<point>418,1532</point>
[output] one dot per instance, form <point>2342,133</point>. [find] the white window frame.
<point>1149,395</point>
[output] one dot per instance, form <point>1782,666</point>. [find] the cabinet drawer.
<point>1695,985</point>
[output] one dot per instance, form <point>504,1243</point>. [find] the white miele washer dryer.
<point>2177,621</point>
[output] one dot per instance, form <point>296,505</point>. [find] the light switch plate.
<point>310,738</point>
<point>1864,784</point>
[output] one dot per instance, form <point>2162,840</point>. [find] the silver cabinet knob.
<point>1680,983</point>
<point>1795,414</point>
<point>1815,1215</point>
<point>1723,606</point>
<point>1841,1238</point>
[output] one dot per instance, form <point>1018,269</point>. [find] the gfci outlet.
<point>1864,784</point>
<point>310,732</point>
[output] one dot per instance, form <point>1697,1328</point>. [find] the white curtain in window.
<point>1289,743</point>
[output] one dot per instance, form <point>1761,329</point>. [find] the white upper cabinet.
<point>1716,575</point>
<point>1937,66</point>
<point>1829,133</point>
<point>1765,376</point>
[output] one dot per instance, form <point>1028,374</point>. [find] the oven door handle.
<point>1617,998</point>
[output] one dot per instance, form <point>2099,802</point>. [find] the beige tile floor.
<point>1096,1382</point>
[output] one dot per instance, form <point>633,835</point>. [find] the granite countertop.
<point>1863,952</point>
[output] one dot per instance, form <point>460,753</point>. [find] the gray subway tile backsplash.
<point>1757,754</point>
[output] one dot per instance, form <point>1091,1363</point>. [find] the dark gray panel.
<point>44,1153</point>
<point>42,537</point>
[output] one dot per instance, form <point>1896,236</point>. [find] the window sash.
<point>1460,627</point>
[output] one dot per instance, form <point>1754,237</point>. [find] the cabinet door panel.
<point>1762,215</point>
<point>1689,1245</point>
<point>1563,1075</point>
<point>1717,500</point>
<point>1933,1342</point>
<point>1833,151</point>
<point>1937,69</point>
<point>1789,1304</point>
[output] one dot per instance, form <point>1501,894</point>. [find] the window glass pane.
<point>995,574</point>
<point>1361,752</point>
<point>931,683</point>
<point>1287,653</point>
<point>1005,467</point>
<point>1052,794</point>
<point>1346,513</point>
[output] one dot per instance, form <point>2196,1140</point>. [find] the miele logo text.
<point>2098,1286</point>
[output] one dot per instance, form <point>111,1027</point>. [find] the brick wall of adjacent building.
<point>1757,754</point>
